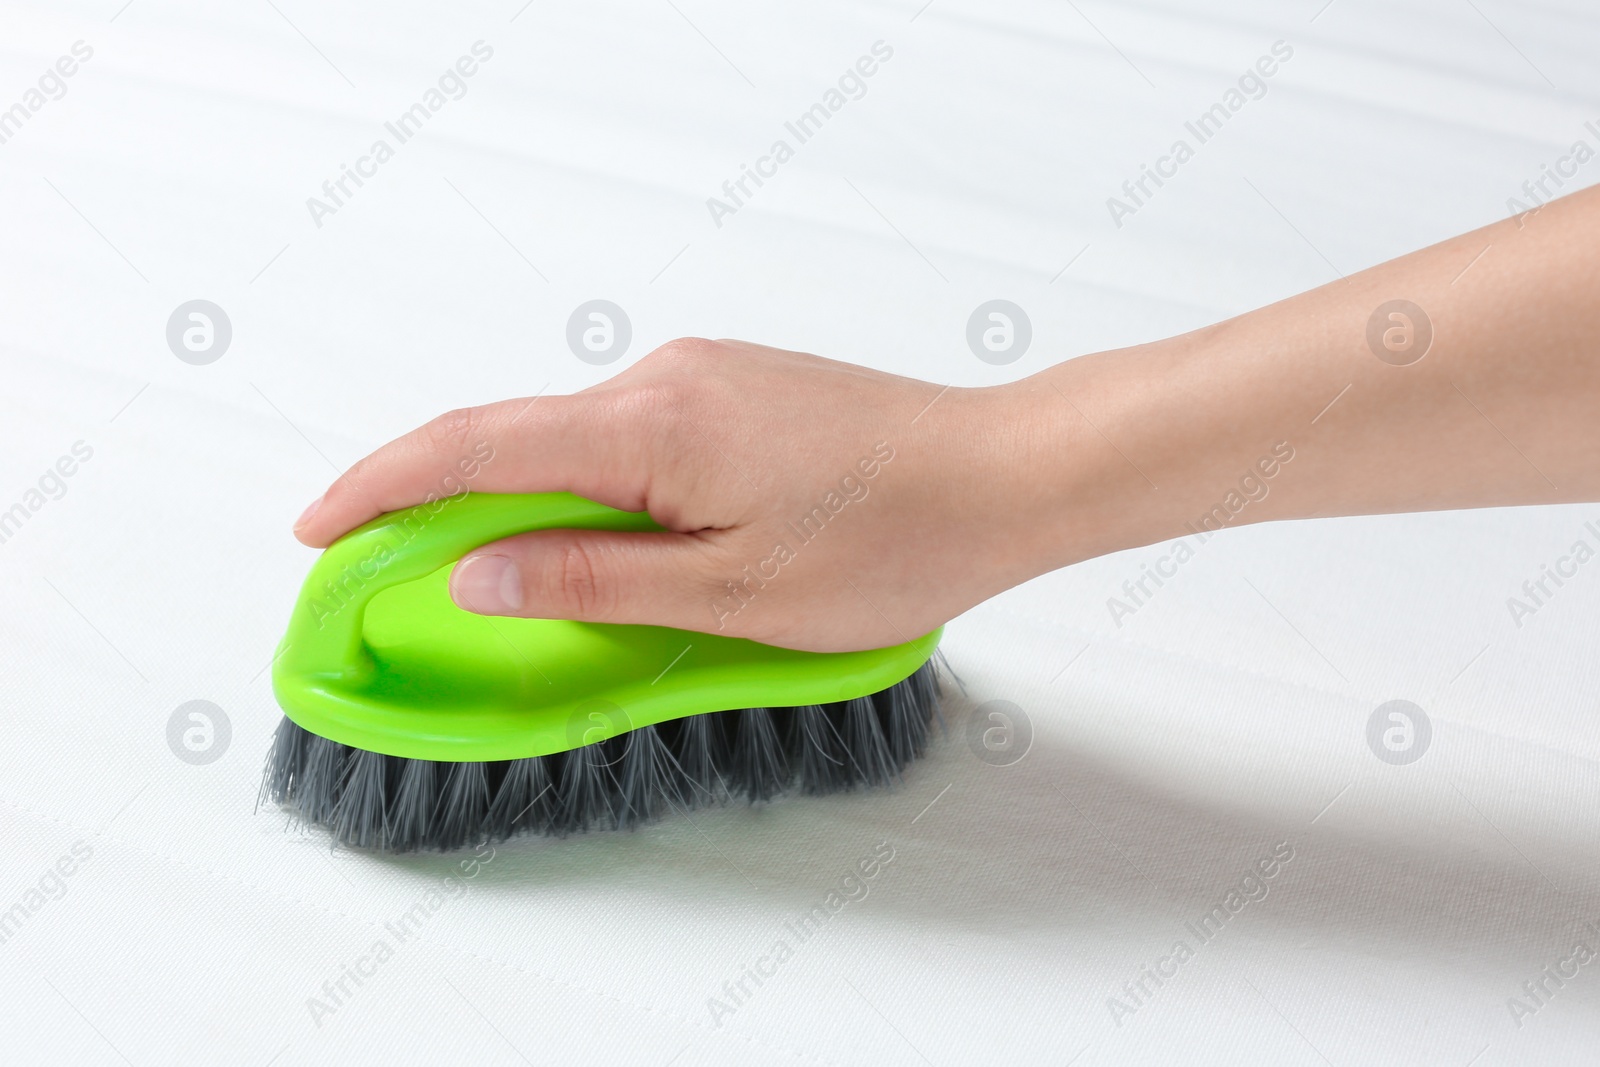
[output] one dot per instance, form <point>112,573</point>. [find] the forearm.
<point>1288,412</point>
<point>846,508</point>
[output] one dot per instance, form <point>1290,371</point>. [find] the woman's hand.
<point>808,503</point>
<point>824,506</point>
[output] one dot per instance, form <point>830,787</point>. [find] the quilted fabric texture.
<point>1202,833</point>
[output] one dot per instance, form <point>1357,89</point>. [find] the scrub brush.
<point>412,724</point>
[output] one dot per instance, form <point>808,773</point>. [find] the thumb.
<point>590,575</point>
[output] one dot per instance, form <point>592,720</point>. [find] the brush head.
<point>393,804</point>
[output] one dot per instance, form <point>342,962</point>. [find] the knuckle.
<point>454,430</point>
<point>685,351</point>
<point>681,376</point>
<point>657,397</point>
<point>361,481</point>
<point>651,403</point>
<point>576,583</point>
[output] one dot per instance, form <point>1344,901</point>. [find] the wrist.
<point>1122,445</point>
<point>1175,439</point>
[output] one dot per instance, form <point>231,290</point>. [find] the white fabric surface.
<point>1170,754</point>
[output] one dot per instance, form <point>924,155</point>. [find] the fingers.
<point>527,445</point>
<point>591,576</point>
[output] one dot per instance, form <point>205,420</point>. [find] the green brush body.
<point>410,723</point>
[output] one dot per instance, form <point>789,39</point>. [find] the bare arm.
<point>1500,407</point>
<point>820,505</point>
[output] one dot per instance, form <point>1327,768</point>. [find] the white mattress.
<point>1170,755</point>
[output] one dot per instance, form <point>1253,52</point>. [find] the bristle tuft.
<point>389,803</point>
<point>704,757</point>
<point>359,815</point>
<point>584,795</point>
<point>759,769</point>
<point>648,780</point>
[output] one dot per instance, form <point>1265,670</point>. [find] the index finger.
<point>526,445</point>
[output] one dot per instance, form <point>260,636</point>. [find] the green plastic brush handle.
<point>325,635</point>
<point>377,656</point>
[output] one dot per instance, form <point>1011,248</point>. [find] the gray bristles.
<point>523,803</point>
<point>865,746</point>
<point>647,781</point>
<point>702,745</point>
<point>358,814</point>
<point>393,804</point>
<point>411,815</point>
<point>823,765</point>
<point>585,798</point>
<point>759,767</point>
<point>463,803</point>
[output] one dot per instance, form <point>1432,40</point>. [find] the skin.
<point>728,443</point>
